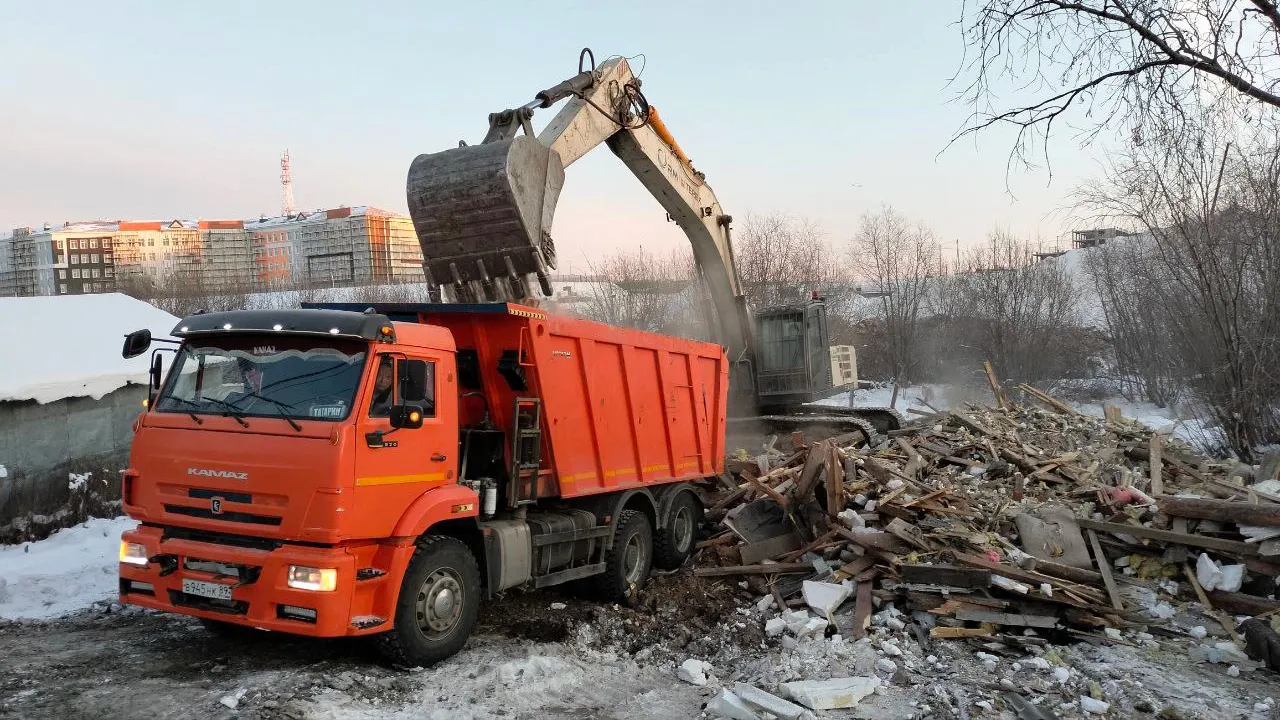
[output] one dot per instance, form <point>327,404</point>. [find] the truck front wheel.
<point>628,562</point>
<point>439,599</point>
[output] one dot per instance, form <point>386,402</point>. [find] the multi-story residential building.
<point>342,246</point>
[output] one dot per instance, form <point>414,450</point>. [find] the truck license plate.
<point>217,591</point>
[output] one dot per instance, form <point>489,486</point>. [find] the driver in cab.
<point>382,390</point>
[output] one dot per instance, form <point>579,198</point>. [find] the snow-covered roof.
<point>69,346</point>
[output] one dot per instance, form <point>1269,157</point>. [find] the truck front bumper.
<point>257,579</point>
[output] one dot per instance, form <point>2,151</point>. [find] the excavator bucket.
<point>483,215</point>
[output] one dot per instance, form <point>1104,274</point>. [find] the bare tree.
<point>1020,313</point>
<point>1116,63</point>
<point>645,291</point>
<point>1210,205</point>
<point>782,259</point>
<point>903,261</point>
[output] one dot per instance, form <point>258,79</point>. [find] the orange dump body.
<point>620,407</point>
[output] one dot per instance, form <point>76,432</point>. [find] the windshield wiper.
<point>232,410</point>
<point>281,406</point>
<point>192,404</point>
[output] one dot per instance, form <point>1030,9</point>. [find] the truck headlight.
<point>133,553</point>
<point>309,578</point>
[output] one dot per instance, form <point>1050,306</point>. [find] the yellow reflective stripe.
<point>398,479</point>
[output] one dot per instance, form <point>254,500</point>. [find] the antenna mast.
<point>286,185</point>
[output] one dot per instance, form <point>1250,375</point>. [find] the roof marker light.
<point>227,326</point>
<point>182,329</point>
<point>277,326</point>
<point>333,331</point>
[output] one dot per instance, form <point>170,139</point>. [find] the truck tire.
<point>439,599</point>
<point>628,562</point>
<point>673,544</point>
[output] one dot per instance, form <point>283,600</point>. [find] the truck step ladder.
<point>526,452</point>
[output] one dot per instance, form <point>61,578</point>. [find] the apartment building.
<point>342,246</point>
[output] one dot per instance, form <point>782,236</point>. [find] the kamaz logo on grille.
<point>228,474</point>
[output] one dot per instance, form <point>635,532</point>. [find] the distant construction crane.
<point>286,186</point>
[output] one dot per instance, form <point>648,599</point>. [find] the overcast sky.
<point>818,109</point>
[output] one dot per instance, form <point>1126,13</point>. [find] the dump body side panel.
<point>627,408</point>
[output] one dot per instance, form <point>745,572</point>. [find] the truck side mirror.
<point>136,343</point>
<point>406,416</point>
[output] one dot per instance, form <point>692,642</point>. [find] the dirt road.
<point>126,665</point>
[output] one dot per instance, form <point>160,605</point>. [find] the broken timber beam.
<point>961,577</point>
<point>762,569</point>
<point>1228,546</point>
<point>1245,513</point>
<point>1104,568</point>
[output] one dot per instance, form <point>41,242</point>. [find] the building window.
<point>96,258</point>
<point>109,272</point>
<point>166,242</point>
<point>75,273</point>
<point>75,259</point>
<point>62,274</point>
<point>106,243</point>
<point>151,242</point>
<point>93,243</point>
<point>97,273</point>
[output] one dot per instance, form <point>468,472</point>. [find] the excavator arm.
<point>483,213</point>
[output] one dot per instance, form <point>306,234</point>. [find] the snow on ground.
<point>64,573</point>
<point>80,338</point>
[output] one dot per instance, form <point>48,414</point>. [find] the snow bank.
<point>70,570</point>
<point>69,346</point>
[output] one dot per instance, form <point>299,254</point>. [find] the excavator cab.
<point>792,356</point>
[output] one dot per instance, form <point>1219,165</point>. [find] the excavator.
<point>483,215</point>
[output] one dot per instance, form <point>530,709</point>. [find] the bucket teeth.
<point>483,215</point>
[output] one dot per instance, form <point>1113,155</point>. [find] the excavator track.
<point>818,423</point>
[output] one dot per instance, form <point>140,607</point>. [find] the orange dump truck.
<point>353,470</point>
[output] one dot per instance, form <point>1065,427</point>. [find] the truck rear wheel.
<point>628,562</point>
<point>673,544</point>
<point>439,599</point>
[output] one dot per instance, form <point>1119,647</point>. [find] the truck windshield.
<point>256,376</point>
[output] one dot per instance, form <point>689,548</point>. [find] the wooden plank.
<point>1244,513</point>
<point>761,569</point>
<point>835,482</point>
<point>773,494</point>
<point>813,466</point>
<point>999,618</point>
<point>1222,618</point>
<point>1104,568</point>
<point>862,611</point>
<point>854,568</point>
<point>1228,546</point>
<point>1157,464</point>
<point>1243,604</point>
<point>953,633</point>
<point>720,540</point>
<point>971,425</point>
<point>908,533</point>
<point>951,575</point>
<point>1001,402</point>
<point>914,462</point>
<point>1112,414</point>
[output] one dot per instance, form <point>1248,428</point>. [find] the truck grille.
<point>217,538</point>
<point>230,607</point>
<point>226,516</point>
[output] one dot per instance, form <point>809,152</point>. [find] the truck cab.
<point>334,472</point>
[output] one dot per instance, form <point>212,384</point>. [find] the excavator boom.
<point>483,215</point>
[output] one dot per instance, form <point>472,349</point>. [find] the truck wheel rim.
<point>682,528</point>
<point>633,558</point>
<point>440,601</point>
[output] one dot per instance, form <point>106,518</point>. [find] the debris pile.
<point>1015,527</point>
